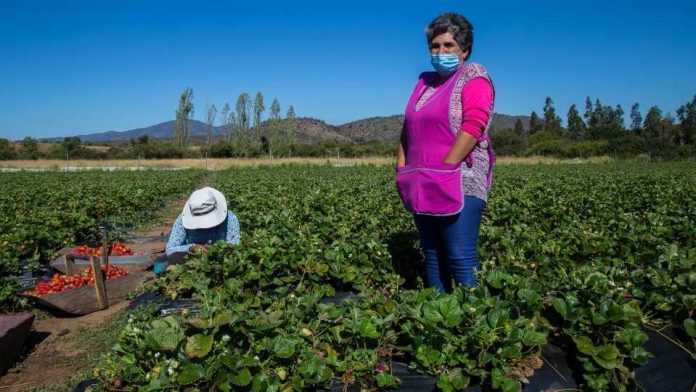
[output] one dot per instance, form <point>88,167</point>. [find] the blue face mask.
<point>445,64</point>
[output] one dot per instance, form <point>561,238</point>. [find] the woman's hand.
<point>400,156</point>
<point>198,249</point>
<point>462,146</point>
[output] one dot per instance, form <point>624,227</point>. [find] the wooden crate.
<point>14,331</point>
<point>83,300</point>
<point>130,264</point>
<point>88,299</point>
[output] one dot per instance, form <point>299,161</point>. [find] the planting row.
<point>584,257</point>
<point>43,212</point>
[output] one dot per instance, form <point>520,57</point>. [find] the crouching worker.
<point>204,221</point>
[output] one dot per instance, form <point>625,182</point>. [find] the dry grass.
<point>212,163</point>
<point>223,163</point>
<point>535,160</point>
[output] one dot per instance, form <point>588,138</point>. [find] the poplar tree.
<point>225,120</point>
<point>652,126</point>
<point>535,124</point>
<point>184,113</point>
<point>617,119</point>
<point>275,110</point>
<point>552,123</point>
<point>211,111</point>
<point>576,127</point>
<point>687,122</point>
<point>519,127</point>
<point>275,125</point>
<point>636,118</point>
<point>290,132</point>
<point>243,107</point>
<point>590,118</point>
<point>258,109</point>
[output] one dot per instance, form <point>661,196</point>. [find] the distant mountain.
<point>307,130</point>
<point>373,128</point>
<point>158,131</point>
<point>389,128</point>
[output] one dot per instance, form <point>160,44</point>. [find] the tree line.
<point>243,132</point>
<point>240,137</point>
<point>601,130</point>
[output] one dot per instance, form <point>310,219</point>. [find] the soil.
<point>54,352</point>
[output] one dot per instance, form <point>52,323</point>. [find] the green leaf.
<point>283,347</point>
<point>511,351</point>
<point>190,374</point>
<point>605,363</point>
<point>444,384</point>
<point>690,327</point>
<point>368,330</point>
<point>198,322</point>
<point>640,355</point>
<point>386,380</point>
<point>599,319</point>
<point>166,334</point>
<point>242,378</point>
<point>533,338</point>
<point>429,356</point>
<point>509,385</point>
<point>444,310</point>
<point>606,356</point>
<point>496,378</point>
<point>221,319</point>
<point>607,351</point>
<point>495,278</point>
<point>531,297</point>
<point>584,345</point>
<point>199,345</point>
<point>458,379</point>
<point>561,307</point>
<point>616,313</point>
<point>497,318</point>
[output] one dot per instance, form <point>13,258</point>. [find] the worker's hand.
<point>198,249</point>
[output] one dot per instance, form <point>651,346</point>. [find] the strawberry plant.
<point>43,212</point>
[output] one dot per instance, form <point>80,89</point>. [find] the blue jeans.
<point>449,245</point>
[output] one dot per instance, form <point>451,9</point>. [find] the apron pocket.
<point>431,189</point>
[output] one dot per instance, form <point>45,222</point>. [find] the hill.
<point>157,131</point>
<point>389,128</point>
<point>307,130</point>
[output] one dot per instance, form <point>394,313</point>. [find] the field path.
<point>60,347</point>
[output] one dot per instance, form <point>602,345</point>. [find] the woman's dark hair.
<point>455,24</point>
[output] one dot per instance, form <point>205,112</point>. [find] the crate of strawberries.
<point>76,293</point>
<point>59,282</point>
<point>119,254</point>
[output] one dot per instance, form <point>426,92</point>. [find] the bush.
<point>7,151</point>
<point>588,148</point>
<point>508,142</point>
<point>544,143</point>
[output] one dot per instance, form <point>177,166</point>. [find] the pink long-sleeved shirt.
<point>477,96</point>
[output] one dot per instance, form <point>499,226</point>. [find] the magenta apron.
<point>425,184</point>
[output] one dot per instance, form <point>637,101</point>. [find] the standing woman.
<point>445,159</point>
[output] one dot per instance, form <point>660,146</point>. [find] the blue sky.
<point>73,67</point>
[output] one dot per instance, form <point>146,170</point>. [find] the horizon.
<point>76,68</point>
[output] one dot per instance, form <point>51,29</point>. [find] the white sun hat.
<point>205,208</point>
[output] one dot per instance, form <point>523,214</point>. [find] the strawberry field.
<point>43,212</point>
<point>587,258</point>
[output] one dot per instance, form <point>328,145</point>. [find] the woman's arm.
<point>233,232</point>
<point>462,146</point>
<point>400,152</point>
<point>177,238</point>
<point>477,98</point>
